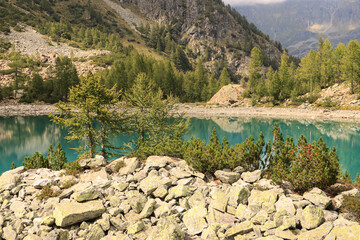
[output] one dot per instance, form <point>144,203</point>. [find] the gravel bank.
<point>211,111</point>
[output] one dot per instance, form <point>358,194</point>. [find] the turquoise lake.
<point>22,136</point>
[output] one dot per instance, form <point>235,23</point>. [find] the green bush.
<point>54,160</point>
<point>328,103</point>
<point>217,156</point>
<point>351,205</point>
<point>304,165</point>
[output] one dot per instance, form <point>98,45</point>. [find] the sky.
<point>251,2</point>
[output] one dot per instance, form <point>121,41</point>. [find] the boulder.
<point>9,233</point>
<point>130,165</point>
<point>135,228</point>
<point>148,208</point>
<point>178,192</point>
<point>137,200</point>
<point>10,178</point>
<point>69,213</point>
<point>263,199</point>
<point>237,195</point>
<point>95,233</point>
<point>115,165</point>
<point>317,233</point>
<point>167,228</point>
<point>227,177</point>
<point>219,200</point>
<point>87,194</point>
<point>344,232</point>
<point>98,161</point>
<point>312,217</point>
<point>338,200</point>
<point>157,162</point>
<point>251,177</point>
<point>151,183</point>
<point>194,220</point>
<point>286,204</point>
<point>239,229</point>
<point>318,198</point>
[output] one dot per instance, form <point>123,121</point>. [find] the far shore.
<point>205,111</point>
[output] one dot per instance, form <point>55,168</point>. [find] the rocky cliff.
<point>162,198</point>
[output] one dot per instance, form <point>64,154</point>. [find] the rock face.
<point>229,95</point>
<point>162,198</point>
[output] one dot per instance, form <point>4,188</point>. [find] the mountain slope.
<point>298,24</point>
<point>206,29</point>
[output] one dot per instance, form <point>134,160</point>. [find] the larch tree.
<point>351,64</point>
<point>256,62</point>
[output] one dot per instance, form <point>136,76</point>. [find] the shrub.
<point>304,165</point>
<point>217,156</point>
<point>47,192</point>
<point>36,161</point>
<point>351,205</point>
<point>72,168</point>
<point>119,165</point>
<point>328,103</point>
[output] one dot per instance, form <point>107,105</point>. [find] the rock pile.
<point>162,198</point>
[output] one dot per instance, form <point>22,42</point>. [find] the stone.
<point>67,181</point>
<point>95,233</point>
<point>178,192</point>
<point>241,228</point>
<point>317,233</point>
<point>98,161</point>
<point>179,173</point>
<point>215,216</point>
<point>238,195</point>
<point>285,234</point>
<point>32,237</point>
<point>121,186</point>
<point>19,208</point>
<point>167,229</point>
<point>118,224</point>
<point>318,198</point>
<point>219,200</point>
<point>104,222</point>
<point>137,201</point>
<point>69,213</point>
<point>286,204</point>
<point>194,220</point>
<point>211,232</point>
<point>151,183</point>
<point>9,233</point>
<point>100,176</point>
<point>135,228</point>
<point>49,221</point>
<point>312,217</point>
<point>244,213</point>
<point>263,199</point>
<point>10,178</point>
<point>197,199</point>
<point>114,165</point>
<point>42,183</point>
<point>344,232</point>
<point>130,165</point>
<point>157,162</point>
<point>330,216</point>
<point>148,209</point>
<point>288,223</point>
<point>251,177</point>
<point>160,192</point>
<point>227,177</point>
<point>260,218</point>
<point>87,194</point>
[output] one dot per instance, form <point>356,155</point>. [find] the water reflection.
<point>22,136</point>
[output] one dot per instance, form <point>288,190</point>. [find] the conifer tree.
<point>224,77</point>
<point>351,64</point>
<point>256,62</point>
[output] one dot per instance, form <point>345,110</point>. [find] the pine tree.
<point>256,62</point>
<point>224,78</point>
<point>351,64</point>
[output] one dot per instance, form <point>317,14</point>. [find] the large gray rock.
<point>151,183</point>
<point>227,177</point>
<point>251,177</point>
<point>69,213</point>
<point>9,233</point>
<point>339,199</point>
<point>115,165</point>
<point>87,194</point>
<point>194,220</point>
<point>263,200</point>
<point>130,165</point>
<point>10,178</point>
<point>167,228</point>
<point>98,161</point>
<point>157,162</point>
<point>318,198</point>
<point>239,229</point>
<point>312,217</point>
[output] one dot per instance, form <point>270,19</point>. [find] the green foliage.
<point>157,128</point>
<point>36,161</point>
<point>119,165</point>
<point>47,192</point>
<point>217,156</point>
<point>345,177</point>
<point>4,45</point>
<point>304,165</point>
<point>351,205</point>
<point>328,103</point>
<point>91,101</point>
<point>12,166</point>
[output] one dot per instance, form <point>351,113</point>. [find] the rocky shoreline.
<point>162,198</point>
<point>204,111</point>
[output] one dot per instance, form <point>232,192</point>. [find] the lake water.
<point>22,136</point>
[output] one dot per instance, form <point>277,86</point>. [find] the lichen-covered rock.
<point>69,213</point>
<point>148,208</point>
<point>241,228</point>
<point>87,194</point>
<point>318,198</point>
<point>151,183</point>
<point>135,228</point>
<point>338,200</point>
<point>157,162</point>
<point>179,191</point>
<point>317,233</point>
<point>98,161</point>
<point>285,203</point>
<point>96,233</point>
<point>227,177</point>
<point>194,220</point>
<point>219,200</point>
<point>238,195</point>
<point>285,234</point>
<point>137,200</point>
<point>130,165</point>
<point>9,233</point>
<point>263,199</point>
<point>211,232</point>
<point>167,228</point>
<point>344,233</point>
<point>312,217</point>
<point>251,177</point>
<point>197,199</point>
